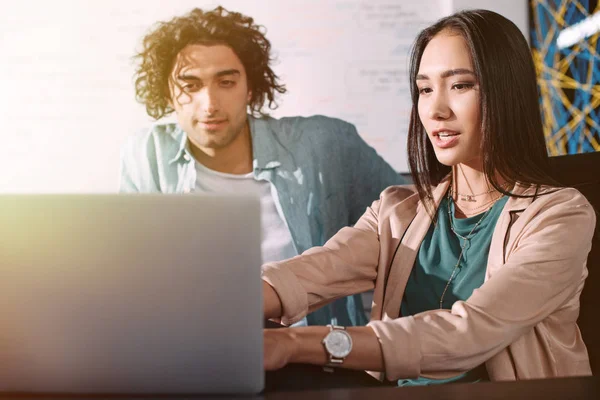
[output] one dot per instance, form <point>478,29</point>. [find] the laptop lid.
<point>134,293</point>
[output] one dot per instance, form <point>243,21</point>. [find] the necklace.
<point>475,210</point>
<point>462,246</point>
<point>471,197</point>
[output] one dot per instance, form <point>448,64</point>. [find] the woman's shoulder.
<point>559,196</point>
<point>398,193</point>
<point>397,199</point>
<point>409,194</point>
<point>564,205</point>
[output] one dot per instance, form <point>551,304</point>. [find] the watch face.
<point>338,343</point>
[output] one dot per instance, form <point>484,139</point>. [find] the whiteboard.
<point>67,88</point>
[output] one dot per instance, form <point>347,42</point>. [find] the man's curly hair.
<point>219,26</point>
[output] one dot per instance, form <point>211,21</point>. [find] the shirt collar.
<point>266,146</point>
<point>182,152</point>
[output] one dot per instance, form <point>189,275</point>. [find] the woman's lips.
<point>445,141</point>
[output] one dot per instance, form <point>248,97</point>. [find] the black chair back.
<point>582,171</point>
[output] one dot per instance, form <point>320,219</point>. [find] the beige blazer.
<point>521,322</point>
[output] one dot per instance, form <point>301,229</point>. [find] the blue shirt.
<point>323,173</point>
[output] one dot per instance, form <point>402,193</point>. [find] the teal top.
<point>435,262</point>
<point>323,173</point>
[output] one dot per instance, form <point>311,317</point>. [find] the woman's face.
<point>449,100</point>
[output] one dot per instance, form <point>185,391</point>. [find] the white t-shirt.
<point>276,238</point>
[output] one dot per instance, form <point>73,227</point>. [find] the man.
<point>314,175</point>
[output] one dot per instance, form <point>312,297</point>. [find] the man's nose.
<point>208,101</point>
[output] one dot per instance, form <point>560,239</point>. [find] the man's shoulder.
<point>159,131</point>
<point>161,136</point>
<point>315,126</point>
<point>315,120</point>
<point>145,155</point>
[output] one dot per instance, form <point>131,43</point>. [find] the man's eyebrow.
<point>191,77</point>
<point>232,71</point>
<point>449,73</point>
<point>188,77</point>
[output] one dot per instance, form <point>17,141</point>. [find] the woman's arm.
<point>543,273</point>
<point>345,265</point>
<point>271,302</point>
<point>304,345</point>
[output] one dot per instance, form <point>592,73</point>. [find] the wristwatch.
<point>338,345</point>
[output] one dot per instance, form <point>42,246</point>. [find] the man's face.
<point>210,95</point>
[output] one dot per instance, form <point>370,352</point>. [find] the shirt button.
<point>186,157</point>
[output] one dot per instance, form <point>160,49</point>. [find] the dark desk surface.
<point>291,383</point>
<point>552,389</point>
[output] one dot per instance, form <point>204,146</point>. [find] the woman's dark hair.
<point>219,26</point>
<point>513,143</point>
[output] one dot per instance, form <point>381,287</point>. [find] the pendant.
<point>469,198</point>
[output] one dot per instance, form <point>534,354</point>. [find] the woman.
<point>477,270</point>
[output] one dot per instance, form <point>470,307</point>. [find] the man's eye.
<point>190,87</point>
<point>227,83</point>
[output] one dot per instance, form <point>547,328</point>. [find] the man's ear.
<point>249,97</point>
<point>171,90</point>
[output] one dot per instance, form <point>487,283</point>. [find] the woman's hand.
<point>279,347</point>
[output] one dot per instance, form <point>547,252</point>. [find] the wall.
<point>66,76</point>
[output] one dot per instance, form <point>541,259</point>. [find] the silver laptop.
<point>130,294</point>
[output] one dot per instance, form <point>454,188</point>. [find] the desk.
<point>551,389</point>
<point>291,382</point>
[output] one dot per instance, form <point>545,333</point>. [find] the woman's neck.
<point>469,180</point>
<point>471,191</point>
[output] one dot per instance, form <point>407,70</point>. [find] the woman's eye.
<point>424,90</point>
<point>463,86</point>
